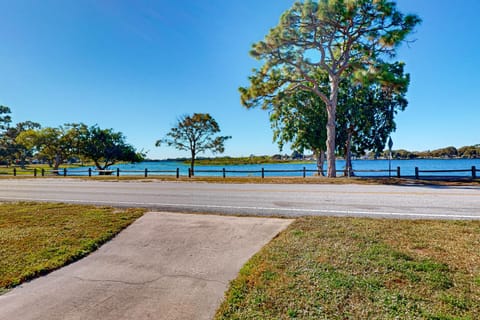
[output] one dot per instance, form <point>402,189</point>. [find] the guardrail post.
<point>304,172</point>
<point>14,172</point>
<point>146,172</point>
<point>64,172</point>
<point>398,172</point>
<point>189,172</point>
<point>34,172</point>
<point>223,172</point>
<point>118,172</point>
<point>416,172</point>
<point>178,173</point>
<point>89,172</point>
<point>43,172</point>
<point>263,173</point>
<point>474,172</point>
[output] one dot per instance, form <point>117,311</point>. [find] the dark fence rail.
<point>260,172</point>
<point>474,172</point>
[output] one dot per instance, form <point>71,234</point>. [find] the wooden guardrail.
<point>474,172</point>
<point>88,172</point>
<point>260,172</point>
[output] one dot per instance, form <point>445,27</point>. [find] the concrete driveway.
<point>164,266</point>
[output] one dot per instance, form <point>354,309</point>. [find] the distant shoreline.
<point>243,161</point>
<point>465,152</point>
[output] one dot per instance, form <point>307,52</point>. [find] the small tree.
<point>196,134</point>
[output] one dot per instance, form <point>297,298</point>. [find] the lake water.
<point>407,167</point>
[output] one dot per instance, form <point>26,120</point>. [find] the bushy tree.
<point>53,144</point>
<point>300,119</point>
<point>197,134</point>
<point>105,147</point>
<point>11,149</point>
<point>470,152</point>
<point>447,152</point>
<point>401,154</point>
<point>5,118</point>
<point>367,112</point>
<point>365,119</point>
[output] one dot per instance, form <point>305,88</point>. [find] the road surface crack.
<point>142,283</point>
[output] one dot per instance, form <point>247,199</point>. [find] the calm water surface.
<point>407,167</point>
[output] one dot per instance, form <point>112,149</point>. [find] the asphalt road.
<point>416,202</point>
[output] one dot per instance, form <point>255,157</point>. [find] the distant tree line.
<point>466,152</point>
<point>28,141</point>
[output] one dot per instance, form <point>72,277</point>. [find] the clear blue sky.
<point>135,66</point>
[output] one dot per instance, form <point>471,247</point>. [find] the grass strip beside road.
<point>446,182</point>
<point>36,238</point>
<point>357,268</point>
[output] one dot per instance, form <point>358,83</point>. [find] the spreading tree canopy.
<point>367,112</point>
<point>364,122</point>
<point>197,134</point>
<point>10,148</point>
<point>105,147</point>
<point>338,37</point>
<point>52,144</point>
<point>300,119</point>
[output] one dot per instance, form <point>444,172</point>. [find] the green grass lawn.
<point>350,268</point>
<point>319,268</point>
<point>36,238</point>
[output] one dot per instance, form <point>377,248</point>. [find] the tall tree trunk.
<point>320,156</point>
<point>192,163</point>
<point>22,163</point>
<point>331,170</point>
<point>348,171</point>
<point>331,126</point>
<point>57,162</point>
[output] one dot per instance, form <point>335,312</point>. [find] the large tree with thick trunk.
<point>333,36</point>
<point>365,118</point>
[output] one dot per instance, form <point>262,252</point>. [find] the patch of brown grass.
<point>356,268</point>
<point>36,238</point>
<point>439,181</point>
